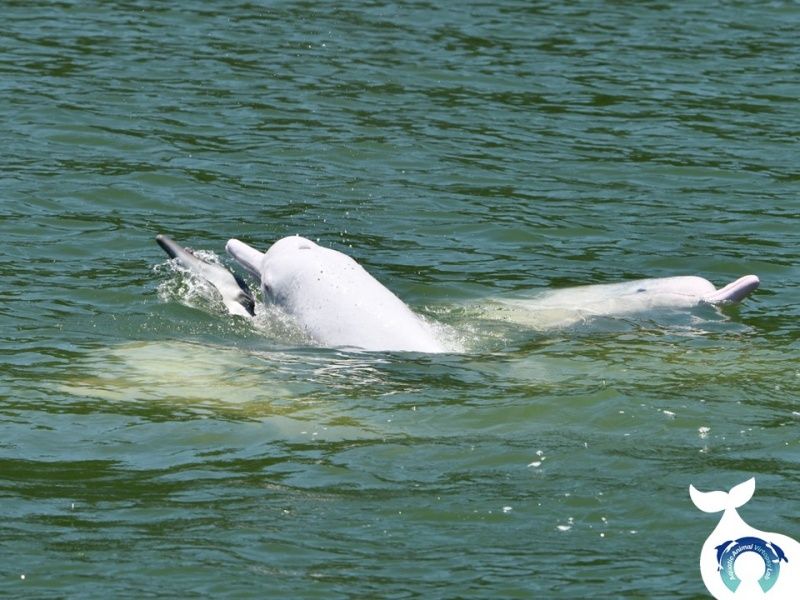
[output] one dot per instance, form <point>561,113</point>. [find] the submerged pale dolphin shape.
<point>333,298</point>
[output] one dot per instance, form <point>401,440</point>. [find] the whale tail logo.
<point>712,502</point>
<point>762,576</point>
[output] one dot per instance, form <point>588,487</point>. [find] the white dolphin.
<point>333,298</point>
<point>564,307</point>
<point>339,305</point>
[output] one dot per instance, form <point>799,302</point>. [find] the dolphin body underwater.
<point>340,305</point>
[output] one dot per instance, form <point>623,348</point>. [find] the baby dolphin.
<point>235,293</point>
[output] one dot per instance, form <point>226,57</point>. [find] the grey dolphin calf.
<point>234,291</point>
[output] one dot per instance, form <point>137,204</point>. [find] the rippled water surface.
<point>151,445</point>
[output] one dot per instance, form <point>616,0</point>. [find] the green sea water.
<point>152,446</point>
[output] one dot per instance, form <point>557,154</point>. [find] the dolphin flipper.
<point>235,293</point>
<point>734,292</point>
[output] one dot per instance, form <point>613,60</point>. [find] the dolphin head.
<point>234,291</point>
<point>286,262</point>
<point>333,298</point>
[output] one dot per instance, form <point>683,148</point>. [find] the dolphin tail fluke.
<point>245,255</point>
<point>734,292</point>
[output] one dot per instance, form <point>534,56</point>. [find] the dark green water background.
<point>459,151</point>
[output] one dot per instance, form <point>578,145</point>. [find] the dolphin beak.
<point>167,245</point>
